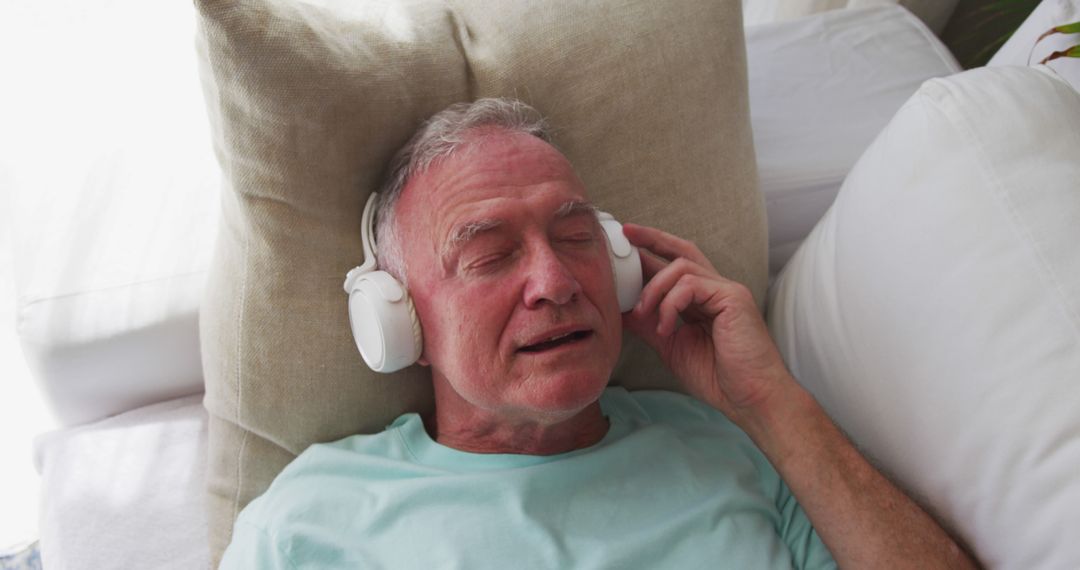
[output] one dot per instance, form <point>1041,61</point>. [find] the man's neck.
<point>467,429</point>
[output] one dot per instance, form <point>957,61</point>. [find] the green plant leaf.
<point>1007,6</point>
<point>1070,52</point>
<point>1073,28</point>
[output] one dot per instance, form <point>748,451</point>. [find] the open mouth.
<point>558,341</point>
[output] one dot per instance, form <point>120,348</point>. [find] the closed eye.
<point>583,237</point>
<point>487,260</point>
<point>576,227</point>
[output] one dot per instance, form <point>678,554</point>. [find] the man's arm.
<point>860,515</point>
<point>707,329</point>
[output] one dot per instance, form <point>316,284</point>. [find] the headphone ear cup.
<point>628,280</point>
<point>625,263</point>
<point>384,322</point>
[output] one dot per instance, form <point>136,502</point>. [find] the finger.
<point>645,326</point>
<point>664,244</point>
<point>662,282</point>
<point>690,290</point>
<point>650,264</point>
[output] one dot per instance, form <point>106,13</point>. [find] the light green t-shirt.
<point>673,484</point>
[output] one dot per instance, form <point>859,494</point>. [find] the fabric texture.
<point>126,492</point>
<point>935,13</point>
<point>308,102</point>
<point>673,484</point>
<point>935,309</point>
<point>1022,49</point>
<point>822,87</point>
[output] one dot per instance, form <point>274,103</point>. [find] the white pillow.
<point>935,310</point>
<point>935,13</point>
<point>1021,48</point>
<point>114,200</point>
<point>809,133</point>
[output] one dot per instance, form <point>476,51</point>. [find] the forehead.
<point>497,175</point>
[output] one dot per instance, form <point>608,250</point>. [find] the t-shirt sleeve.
<point>792,525</point>
<point>807,550</point>
<point>252,547</point>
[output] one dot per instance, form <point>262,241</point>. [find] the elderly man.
<point>530,460</point>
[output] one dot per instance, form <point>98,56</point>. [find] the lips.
<point>556,339</point>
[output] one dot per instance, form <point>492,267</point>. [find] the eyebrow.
<point>574,207</point>
<point>465,233</point>
<point>469,230</point>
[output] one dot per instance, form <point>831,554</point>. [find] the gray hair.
<point>438,138</point>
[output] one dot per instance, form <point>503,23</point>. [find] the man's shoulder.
<point>341,457</point>
<point>329,486</point>
<point>331,471</point>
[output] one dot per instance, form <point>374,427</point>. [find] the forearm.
<point>864,519</point>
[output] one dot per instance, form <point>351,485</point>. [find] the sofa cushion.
<point>809,133</point>
<point>309,101</point>
<point>935,310</point>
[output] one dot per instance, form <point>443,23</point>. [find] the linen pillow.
<point>309,100</point>
<point>935,310</point>
<point>935,13</point>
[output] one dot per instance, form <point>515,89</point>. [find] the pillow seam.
<point>46,298</point>
<point>1003,200</point>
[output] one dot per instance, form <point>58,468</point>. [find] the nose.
<point>548,279</point>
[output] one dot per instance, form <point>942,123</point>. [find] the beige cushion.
<point>308,103</point>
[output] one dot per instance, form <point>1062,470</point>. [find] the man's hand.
<point>721,350</point>
<point>707,329</point>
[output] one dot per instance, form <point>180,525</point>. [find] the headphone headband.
<point>383,318</point>
<point>367,229</point>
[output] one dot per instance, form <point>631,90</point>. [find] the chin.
<point>569,392</point>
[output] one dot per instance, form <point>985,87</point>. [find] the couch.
<point>901,285</point>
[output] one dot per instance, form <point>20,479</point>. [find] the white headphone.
<point>382,315</point>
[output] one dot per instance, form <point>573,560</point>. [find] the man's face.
<point>509,271</point>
